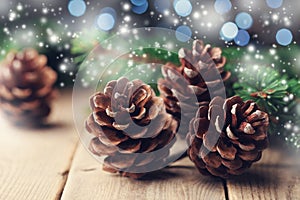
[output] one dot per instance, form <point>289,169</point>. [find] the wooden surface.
<point>48,163</point>
<point>87,181</point>
<point>277,176</point>
<point>34,162</point>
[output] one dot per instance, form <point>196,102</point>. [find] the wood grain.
<point>180,181</point>
<point>277,176</point>
<point>34,163</point>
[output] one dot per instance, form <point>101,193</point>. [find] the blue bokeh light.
<point>183,7</point>
<point>274,3</point>
<point>110,11</point>
<point>105,21</point>
<point>77,8</point>
<point>244,20</point>
<point>229,31</point>
<point>242,39</point>
<point>138,2</point>
<point>140,9</point>
<point>183,33</point>
<point>284,37</point>
<point>222,6</point>
<point>162,5</point>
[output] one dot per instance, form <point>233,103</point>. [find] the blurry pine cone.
<point>191,85</point>
<point>26,87</point>
<point>226,137</point>
<point>128,121</point>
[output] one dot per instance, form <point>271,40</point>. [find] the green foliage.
<point>84,42</point>
<point>129,65</point>
<point>43,35</point>
<point>134,65</point>
<point>288,60</point>
<point>158,55</point>
<point>275,88</point>
<point>275,94</point>
<point>265,86</point>
<point>87,40</point>
<point>283,59</point>
<point>233,56</point>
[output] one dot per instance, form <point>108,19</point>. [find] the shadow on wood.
<point>263,177</point>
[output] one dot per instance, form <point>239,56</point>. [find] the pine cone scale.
<point>130,146</point>
<point>100,149</point>
<point>232,143</point>
<point>129,119</point>
<point>227,152</point>
<point>234,164</point>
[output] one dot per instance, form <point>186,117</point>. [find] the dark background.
<point>287,16</point>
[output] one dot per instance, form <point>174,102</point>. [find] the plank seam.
<point>225,189</point>
<point>65,174</point>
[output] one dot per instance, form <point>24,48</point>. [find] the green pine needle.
<point>39,37</point>
<point>276,94</point>
<point>85,42</point>
<point>159,55</point>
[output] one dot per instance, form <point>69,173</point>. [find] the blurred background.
<point>65,29</point>
<point>252,35</point>
<point>205,18</point>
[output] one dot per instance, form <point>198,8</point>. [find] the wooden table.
<point>50,163</point>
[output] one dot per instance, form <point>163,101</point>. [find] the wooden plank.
<point>277,176</point>
<point>34,163</point>
<point>180,181</point>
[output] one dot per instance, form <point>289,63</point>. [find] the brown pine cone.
<point>26,87</point>
<point>191,85</point>
<point>129,122</point>
<point>226,137</point>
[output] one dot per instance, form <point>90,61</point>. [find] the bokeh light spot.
<point>77,8</point>
<point>284,37</point>
<point>105,21</point>
<point>242,39</point>
<point>140,9</point>
<point>229,31</point>
<point>138,2</point>
<point>274,3</point>
<point>183,33</point>
<point>244,20</point>
<point>183,7</point>
<point>222,6</point>
<point>162,5</point>
<point>110,11</point>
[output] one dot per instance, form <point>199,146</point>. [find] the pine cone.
<point>26,87</point>
<point>128,120</point>
<point>232,149</point>
<point>191,85</point>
